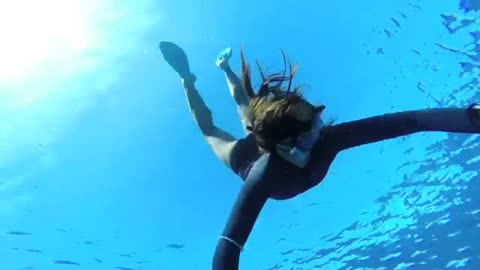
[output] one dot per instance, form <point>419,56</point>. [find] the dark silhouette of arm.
<point>389,126</point>
<point>247,207</point>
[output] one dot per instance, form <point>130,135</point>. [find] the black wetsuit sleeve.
<point>389,126</point>
<point>246,209</point>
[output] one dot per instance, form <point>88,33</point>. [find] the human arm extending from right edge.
<point>389,126</point>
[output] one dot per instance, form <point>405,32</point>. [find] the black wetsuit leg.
<point>249,203</point>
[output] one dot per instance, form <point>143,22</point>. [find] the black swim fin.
<point>176,58</point>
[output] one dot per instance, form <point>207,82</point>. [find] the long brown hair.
<point>277,112</point>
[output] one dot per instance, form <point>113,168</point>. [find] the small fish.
<point>415,6</point>
<point>123,268</point>
<point>421,87</point>
<point>125,255</point>
<point>402,14</point>
<point>65,262</point>
<point>395,22</point>
<point>87,242</point>
<point>97,260</point>
<point>380,51</point>
<point>416,51</point>
<point>18,233</point>
<point>388,33</point>
<point>33,250</point>
<point>177,246</point>
<point>288,252</point>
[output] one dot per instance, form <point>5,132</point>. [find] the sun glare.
<point>35,32</point>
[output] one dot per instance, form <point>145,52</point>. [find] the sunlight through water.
<point>57,58</point>
<point>34,33</point>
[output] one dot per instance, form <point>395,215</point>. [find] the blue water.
<point>102,166</point>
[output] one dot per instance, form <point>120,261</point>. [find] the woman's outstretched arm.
<point>389,126</point>
<point>247,207</point>
<point>237,90</point>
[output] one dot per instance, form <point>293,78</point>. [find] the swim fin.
<point>176,58</point>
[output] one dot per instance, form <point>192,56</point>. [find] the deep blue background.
<point>102,165</point>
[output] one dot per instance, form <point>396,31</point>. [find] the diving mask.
<point>299,152</point>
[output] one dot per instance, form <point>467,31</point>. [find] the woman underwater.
<point>279,122</point>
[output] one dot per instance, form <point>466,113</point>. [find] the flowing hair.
<point>271,114</point>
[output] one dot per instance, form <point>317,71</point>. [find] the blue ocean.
<point>103,167</point>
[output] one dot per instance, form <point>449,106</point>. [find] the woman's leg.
<point>236,88</point>
<point>221,141</point>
